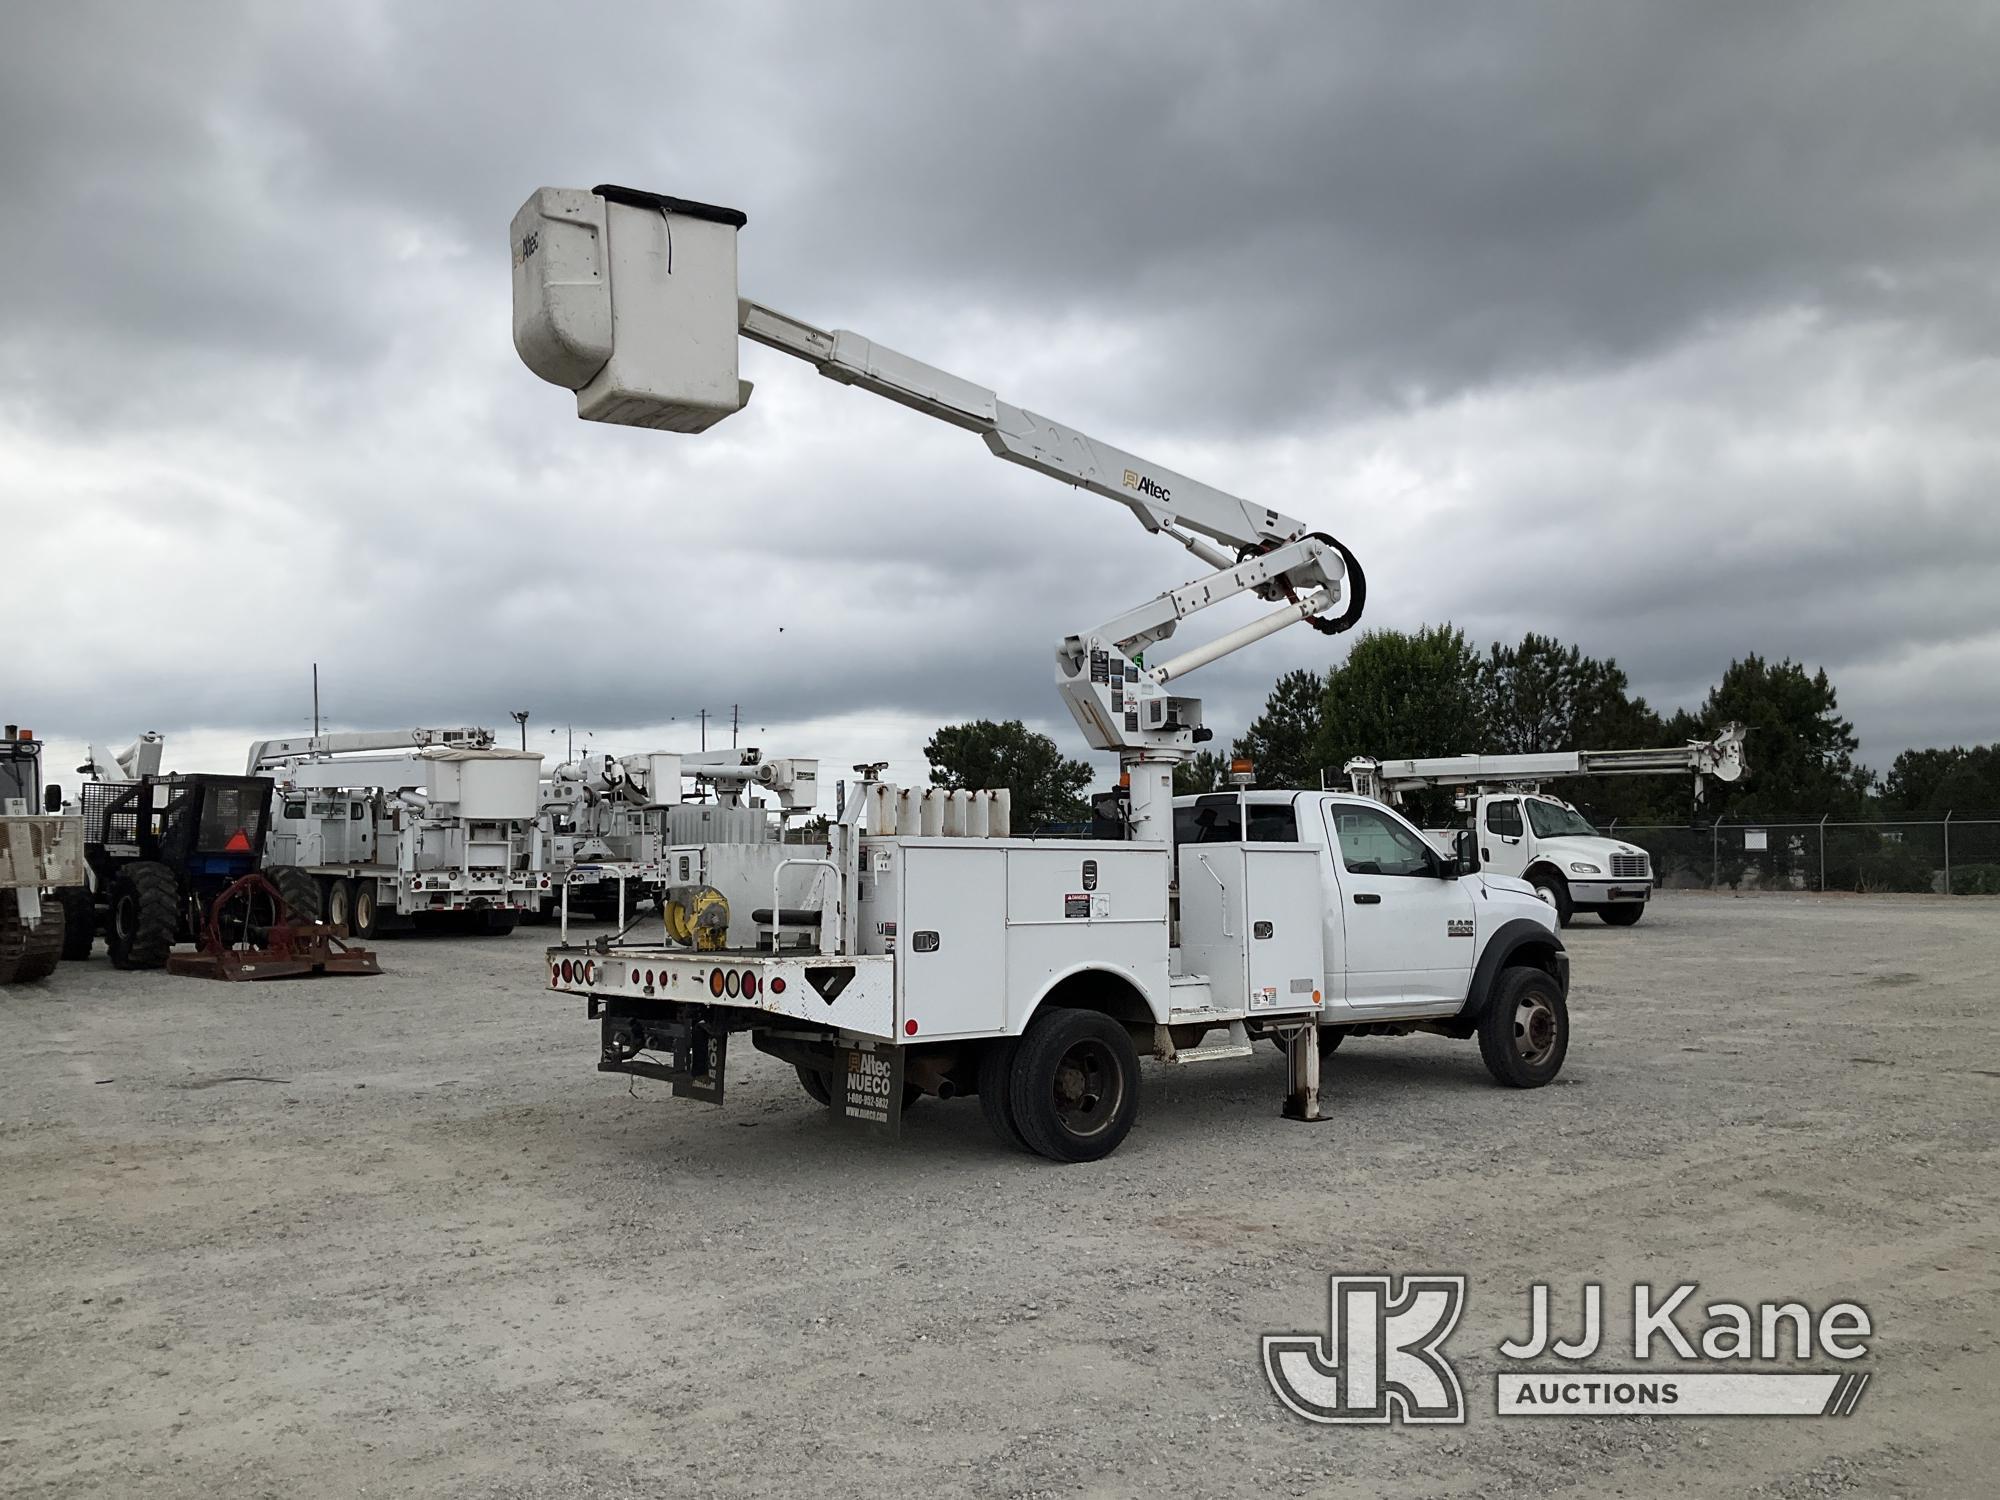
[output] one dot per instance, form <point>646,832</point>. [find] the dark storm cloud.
<point>1477,287</point>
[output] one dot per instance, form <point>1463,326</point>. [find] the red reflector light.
<point>715,983</point>
<point>749,984</point>
<point>635,977</point>
<point>909,1028</point>
<point>565,971</point>
<point>777,986</point>
<point>239,843</point>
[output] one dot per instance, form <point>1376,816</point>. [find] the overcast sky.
<point>1668,330</point>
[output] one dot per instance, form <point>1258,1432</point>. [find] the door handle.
<point>1485,853</point>
<point>1367,898</point>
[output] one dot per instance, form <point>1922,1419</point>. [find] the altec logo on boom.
<point>1382,1358</point>
<point>1134,480</point>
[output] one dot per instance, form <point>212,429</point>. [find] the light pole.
<point>521,717</point>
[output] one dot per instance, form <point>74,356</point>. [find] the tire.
<point>1330,1038</point>
<point>1074,1086</point>
<point>79,921</point>
<point>298,890</point>
<point>1554,891</point>
<point>28,954</point>
<point>496,923</point>
<point>996,1068</point>
<point>145,916</point>
<point>361,924</point>
<point>1524,1031</point>
<point>1622,916</point>
<point>814,1083</point>
<point>336,900</point>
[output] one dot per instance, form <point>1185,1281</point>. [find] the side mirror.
<point>1465,848</point>
<point>52,798</point>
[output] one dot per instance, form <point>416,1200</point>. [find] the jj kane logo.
<point>1134,480</point>
<point>1382,1358</point>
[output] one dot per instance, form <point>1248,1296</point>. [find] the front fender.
<point>1521,940</point>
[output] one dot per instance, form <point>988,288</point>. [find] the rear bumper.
<point>855,995</point>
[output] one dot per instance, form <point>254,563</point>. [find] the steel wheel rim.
<point>1088,1089</point>
<point>1535,1030</point>
<point>1546,895</point>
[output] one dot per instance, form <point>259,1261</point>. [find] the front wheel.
<point>145,923</point>
<point>1553,891</point>
<point>1075,1085</point>
<point>79,921</point>
<point>1524,1032</point>
<point>1622,916</point>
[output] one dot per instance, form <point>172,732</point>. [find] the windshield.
<point>1553,820</point>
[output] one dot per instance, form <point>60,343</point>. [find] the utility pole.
<point>704,729</point>
<point>735,719</point>
<point>520,716</point>
<point>315,700</point>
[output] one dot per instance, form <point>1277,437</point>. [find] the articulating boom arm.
<point>629,299</point>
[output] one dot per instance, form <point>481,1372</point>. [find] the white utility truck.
<point>1525,832</point>
<point>410,825</point>
<point>41,853</point>
<point>610,824</point>
<point>894,960</point>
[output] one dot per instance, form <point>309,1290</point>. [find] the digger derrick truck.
<point>1523,831</point>
<point>613,826</point>
<point>908,956</point>
<point>41,853</point>
<point>405,826</point>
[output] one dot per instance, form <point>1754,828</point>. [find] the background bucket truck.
<point>1522,831</point>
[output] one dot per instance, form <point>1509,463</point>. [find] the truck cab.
<point>1568,863</point>
<point>1399,924</point>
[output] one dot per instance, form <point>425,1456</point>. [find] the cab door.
<point>1408,928</point>
<point>1503,837</point>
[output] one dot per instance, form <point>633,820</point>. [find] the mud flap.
<point>867,1085</point>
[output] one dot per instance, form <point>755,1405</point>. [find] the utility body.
<point>1523,831</point>
<point>401,827</point>
<point>905,957</point>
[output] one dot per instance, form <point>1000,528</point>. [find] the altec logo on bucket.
<point>1382,1358</point>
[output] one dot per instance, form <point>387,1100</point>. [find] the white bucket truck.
<point>410,825</point>
<point>611,825</point>
<point>922,949</point>
<point>1523,831</point>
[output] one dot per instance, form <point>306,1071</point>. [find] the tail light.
<point>733,983</point>
<point>565,971</point>
<point>749,984</point>
<point>590,973</point>
<point>715,983</point>
<point>777,986</point>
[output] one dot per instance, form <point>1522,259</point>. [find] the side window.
<point>1373,843</point>
<point>1218,819</point>
<point>1273,823</point>
<point>1504,818</point>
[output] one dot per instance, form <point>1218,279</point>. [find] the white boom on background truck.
<point>899,961</point>
<point>407,825</point>
<point>1544,840</point>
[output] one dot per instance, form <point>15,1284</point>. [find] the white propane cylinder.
<point>976,814</point>
<point>954,813</point>
<point>933,812</point>
<point>1000,821</point>
<point>909,812</point>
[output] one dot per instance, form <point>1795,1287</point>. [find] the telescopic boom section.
<point>1721,758</point>
<point>629,299</point>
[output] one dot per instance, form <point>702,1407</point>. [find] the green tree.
<point>1542,695</point>
<point>1047,786</point>
<point>1801,751</point>
<point>1941,781</point>
<point>1400,694</point>
<point>1202,772</point>
<point>1281,742</point>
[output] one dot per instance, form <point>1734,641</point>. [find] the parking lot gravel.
<point>396,1236</point>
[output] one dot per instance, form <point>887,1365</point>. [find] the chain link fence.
<point>1956,855</point>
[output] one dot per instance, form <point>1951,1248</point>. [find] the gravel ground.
<point>395,1235</point>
